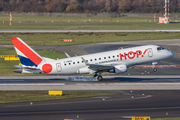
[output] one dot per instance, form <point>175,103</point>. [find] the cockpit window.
<point>160,48</point>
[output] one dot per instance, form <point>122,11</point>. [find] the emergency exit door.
<point>58,66</point>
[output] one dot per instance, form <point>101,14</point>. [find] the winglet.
<point>85,61</point>
<point>67,55</point>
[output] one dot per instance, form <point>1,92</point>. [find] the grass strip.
<point>51,22</point>
<point>30,96</point>
<point>84,38</point>
<point>169,118</point>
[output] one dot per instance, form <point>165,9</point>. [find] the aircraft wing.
<point>97,67</point>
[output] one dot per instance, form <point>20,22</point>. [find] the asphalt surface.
<point>154,104</point>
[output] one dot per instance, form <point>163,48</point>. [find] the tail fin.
<point>26,54</point>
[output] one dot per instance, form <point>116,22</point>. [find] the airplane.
<point>115,61</point>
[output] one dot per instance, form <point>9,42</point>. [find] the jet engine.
<point>85,70</point>
<point>118,69</point>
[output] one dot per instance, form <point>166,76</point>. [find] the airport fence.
<point>104,14</point>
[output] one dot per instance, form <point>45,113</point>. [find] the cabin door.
<point>150,52</point>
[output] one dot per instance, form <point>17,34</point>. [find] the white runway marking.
<point>32,84</point>
<point>11,80</point>
<point>107,30</point>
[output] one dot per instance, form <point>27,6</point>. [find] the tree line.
<point>87,6</point>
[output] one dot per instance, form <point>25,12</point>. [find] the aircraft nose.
<point>171,54</point>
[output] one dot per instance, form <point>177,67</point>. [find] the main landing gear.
<point>99,77</point>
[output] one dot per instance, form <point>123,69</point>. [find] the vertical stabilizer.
<point>26,54</point>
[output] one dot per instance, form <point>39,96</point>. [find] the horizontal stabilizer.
<point>21,67</point>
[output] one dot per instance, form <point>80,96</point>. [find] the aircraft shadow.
<point>91,79</point>
<point>119,79</point>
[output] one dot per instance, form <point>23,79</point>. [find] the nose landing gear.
<point>154,69</point>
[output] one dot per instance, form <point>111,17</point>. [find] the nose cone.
<point>171,54</point>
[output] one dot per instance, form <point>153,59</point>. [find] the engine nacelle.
<point>83,71</point>
<point>119,69</point>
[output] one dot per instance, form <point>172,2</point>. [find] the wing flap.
<point>98,67</point>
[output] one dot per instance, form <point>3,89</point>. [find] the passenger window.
<point>104,57</point>
<point>109,57</point>
<point>117,55</point>
<point>99,58</point>
<point>91,60</point>
<point>95,59</point>
<point>73,62</point>
<point>65,64</point>
<point>82,61</point>
<point>69,63</point>
<point>113,56</point>
<point>78,62</point>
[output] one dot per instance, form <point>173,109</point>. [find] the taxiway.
<point>155,104</point>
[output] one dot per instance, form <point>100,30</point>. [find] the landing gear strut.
<point>99,77</point>
<point>154,69</point>
<point>95,75</point>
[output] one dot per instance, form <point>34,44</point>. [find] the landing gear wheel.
<point>155,69</point>
<point>100,78</point>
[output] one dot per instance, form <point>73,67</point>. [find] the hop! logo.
<point>132,55</point>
